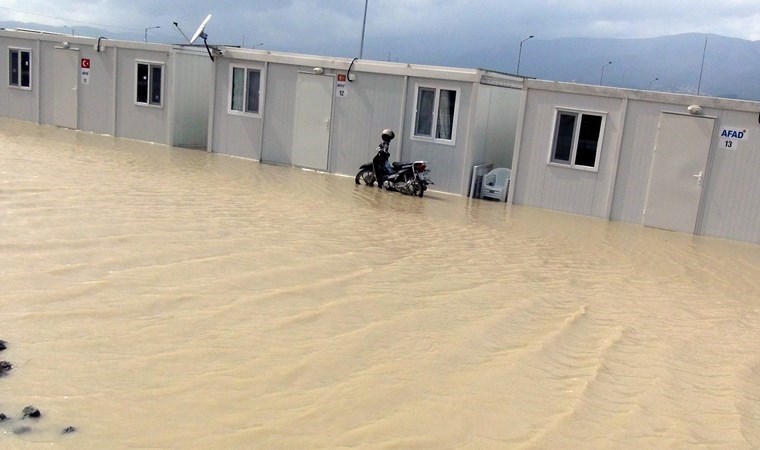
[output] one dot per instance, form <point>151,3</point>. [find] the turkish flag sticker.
<point>341,77</point>
<point>85,63</point>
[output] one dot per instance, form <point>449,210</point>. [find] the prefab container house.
<point>327,113</point>
<point>145,91</point>
<point>685,163</point>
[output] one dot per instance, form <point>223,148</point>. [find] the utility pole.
<point>364,26</point>
<point>704,50</point>
<point>601,77</point>
<point>146,32</point>
<point>519,53</point>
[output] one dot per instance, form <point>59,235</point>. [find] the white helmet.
<point>388,135</point>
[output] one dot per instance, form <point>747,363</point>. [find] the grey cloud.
<point>330,27</point>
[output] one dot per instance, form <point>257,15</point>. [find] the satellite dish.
<point>200,32</point>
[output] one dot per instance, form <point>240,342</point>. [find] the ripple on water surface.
<point>162,297</point>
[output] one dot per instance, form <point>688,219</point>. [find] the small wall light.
<point>65,44</point>
<point>318,71</point>
<point>694,109</point>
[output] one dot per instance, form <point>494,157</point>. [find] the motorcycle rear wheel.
<point>366,175</point>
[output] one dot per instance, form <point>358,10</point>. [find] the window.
<point>436,115</point>
<point>149,83</point>
<point>577,137</point>
<point>245,90</point>
<point>19,68</point>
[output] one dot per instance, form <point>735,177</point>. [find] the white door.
<point>65,98</point>
<point>311,133</point>
<point>678,172</point>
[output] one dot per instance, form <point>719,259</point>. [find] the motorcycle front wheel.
<point>366,175</point>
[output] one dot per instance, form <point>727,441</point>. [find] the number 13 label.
<point>731,136</point>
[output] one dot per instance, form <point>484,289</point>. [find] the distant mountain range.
<point>730,68</point>
<point>674,63</point>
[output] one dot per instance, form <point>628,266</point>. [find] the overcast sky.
<point>330,27</point>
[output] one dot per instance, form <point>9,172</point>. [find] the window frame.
<point>437,88</point>
<point>571,163</point>
<point>19,84</point>
<point>247,69</point>
<point>151,65</point>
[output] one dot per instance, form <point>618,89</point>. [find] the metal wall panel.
<point>731,204</point>
<point>446,162</point>
<point>562,188</point>
<point>374,101</point>
<point>279,112</point>
<point>492,129</point>
<point>501,125</point>
<point>639,136</point>
<point>97,98</point>
<point>145,123</point>
<point>569,190</point>
<point>731,198</point>
<point>106,102</point>
<point>479,154</point>
<point>527,174</point>
<point>236,134</point>
<point>64,98</point>
<point>47,80</point>
<point>21,104</point>
<point>372,104</point>
<point>219,137</point>
<point>193,78</point>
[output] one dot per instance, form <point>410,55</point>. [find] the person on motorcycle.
<point>381,163</point>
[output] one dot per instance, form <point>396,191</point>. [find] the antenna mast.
<point>180,31</point>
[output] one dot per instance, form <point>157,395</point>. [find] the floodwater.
<point>155,297</point>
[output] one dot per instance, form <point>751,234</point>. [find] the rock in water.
<point>31,411</point>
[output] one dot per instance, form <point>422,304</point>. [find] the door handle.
<point>698,176</point>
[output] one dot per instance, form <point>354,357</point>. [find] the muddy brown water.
<point>156,297</point>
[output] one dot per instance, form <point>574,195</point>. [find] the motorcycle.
<point>410,178</point>
<point>376,169</point>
